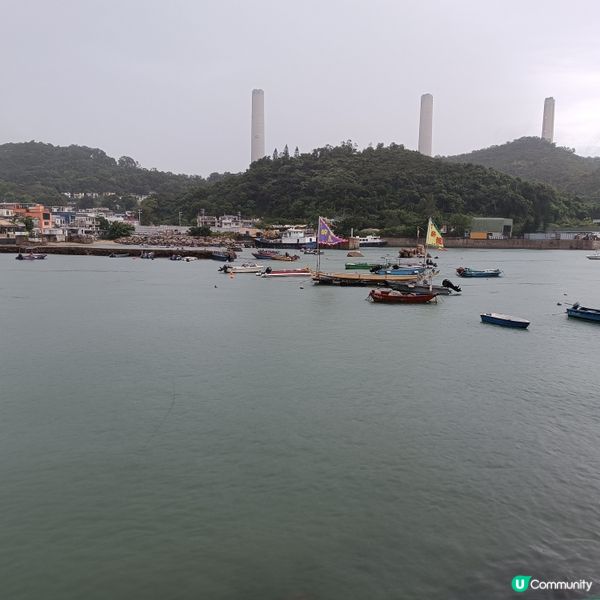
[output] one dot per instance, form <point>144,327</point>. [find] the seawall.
<point>510,244</point>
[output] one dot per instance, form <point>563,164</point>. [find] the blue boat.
<point>468,272</point>
<point>399,271</point>
<point>582,312</point>
<point>505,320</point>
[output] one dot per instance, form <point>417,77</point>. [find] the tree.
<point>127,162</point>
<point>28,222</point>
<point>275,154</point>
<point>296,153</point>
<point>201,231</point>
<point>118,229</point>
<point>286,152</point>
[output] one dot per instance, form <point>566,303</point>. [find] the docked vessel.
<point>292,238</point>
<point>468,272</point>
<point>30,256</point>
<point>396,297</point>
<point>371,241</point>
<point>243,268</point>
<point>269,272</point>
<point>274,255</point>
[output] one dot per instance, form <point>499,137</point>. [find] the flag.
<point>325,235</point>
<point>434,237</point>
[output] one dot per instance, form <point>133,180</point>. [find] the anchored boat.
<point>505,320</point>
<point>583,312</point>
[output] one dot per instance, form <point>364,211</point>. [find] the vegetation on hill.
<point>536,159</point>
<point>385,187</point>
<point>34,171</point>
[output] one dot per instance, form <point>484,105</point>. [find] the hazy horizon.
<point>171,85</point>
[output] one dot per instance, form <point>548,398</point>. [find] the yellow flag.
<point>434,237</point>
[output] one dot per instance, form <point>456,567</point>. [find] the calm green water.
<point>169,432</point>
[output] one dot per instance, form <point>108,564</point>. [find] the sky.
<point>170,83</point>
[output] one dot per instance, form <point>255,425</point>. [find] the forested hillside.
<point>536,159</point>
<point>34,171</point>
<point>385,187</point>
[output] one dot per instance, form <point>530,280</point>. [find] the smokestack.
<point>548,122</point>
<point>257,134</point>
<point>426,124</point>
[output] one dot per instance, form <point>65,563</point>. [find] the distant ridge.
<point>535,159</point>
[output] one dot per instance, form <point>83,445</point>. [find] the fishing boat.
<point>269,272</point>
<point>395,297</point>
<point>320,277</point>
<point>583,312</point>
<point>593,256</point>
<point>292,238</point>
<point>243,268</point>
<point>505,320</point>
<point>468,272</point>
<point>362,266</point>
<point>397,270</point>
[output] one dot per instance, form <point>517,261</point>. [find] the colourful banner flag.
<point>326,236</point>
<point>434,237</point>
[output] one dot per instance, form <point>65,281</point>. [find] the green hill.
<point>385,187</point>
<point>34,171</point>
<point>536,159</point>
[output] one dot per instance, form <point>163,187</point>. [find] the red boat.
<point>394,297</point>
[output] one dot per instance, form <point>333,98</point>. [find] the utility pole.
<point>179,218</point>
<point>139,216</point>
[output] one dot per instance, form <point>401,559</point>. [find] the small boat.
<point>468,272</point>
<point>446,289</point>
<point>505,320</point>
<point>243,268</point>
<point>395,297</point>
<point>190,258</point>
<point>363,266</point>
<point>593,256</point>
<point>118,255</point>
<point>583,312</point>
<point>30,256</point>
<point>371,241</point>
<point>397,270</point>
<point>268,272</point>
<point>227,256</point>
<point>274,255</point>
<point>175,257</point>
<point>311,251</point>
<point>355,254</point>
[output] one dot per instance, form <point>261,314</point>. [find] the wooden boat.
<point>355,254</point>
<point>505,320</point>
<point>468,272</point>
<point>274,255</point>
<point>319,277</point>
<point>396,270</point>
<point>311,251</point>
<point>243,268</point>
<point>395,297</point>
<point>583,312</point>
<point>268,272</point>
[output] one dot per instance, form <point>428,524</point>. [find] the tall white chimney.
<point>426,124</point>
<point>548,121</point>
<point>257,134</point>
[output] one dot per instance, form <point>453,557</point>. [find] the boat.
<point>505,320</point>
<point>294,238</point>
<point>397,270</point>
<point>446,289</point>
<point>149,255</point>
<point>225,256</point>
<point>371,241</point>
<point>354,254</point>
<point>274,255</point>
<point>363,266</point>
<point>118,255</point>
<point>190,258</point>
<point>243,268</point>
<point>311,251</point>
<point>269,272</point>
<point>395,297</point>
<point>583,312</point>
<point>468,272</point>
<point>593,256</point>
<point>30,256</point>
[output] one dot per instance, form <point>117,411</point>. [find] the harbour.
<point>264,438</point>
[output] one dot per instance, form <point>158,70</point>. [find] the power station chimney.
<point>548,122</point>
<point>257,134</point>
<point>426,124</point>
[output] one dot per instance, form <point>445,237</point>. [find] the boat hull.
<point>394,297</point>
<point>466,272</point>
<point>360,278</point>
<point>584,313</point>
<point>505,320</point>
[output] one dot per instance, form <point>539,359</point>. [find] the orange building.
<point>38,213</point>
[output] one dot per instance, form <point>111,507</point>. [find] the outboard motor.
<point>448,284</point>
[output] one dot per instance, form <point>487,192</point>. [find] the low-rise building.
<point>490,228</point>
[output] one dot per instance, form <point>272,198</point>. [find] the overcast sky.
<point>169,82</point>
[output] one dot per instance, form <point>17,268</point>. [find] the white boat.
<point>243,268</point>
<point>302,272</point>
<point>371,241</point>
<point>594,256</point>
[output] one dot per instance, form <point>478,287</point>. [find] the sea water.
<point>167,431</point>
